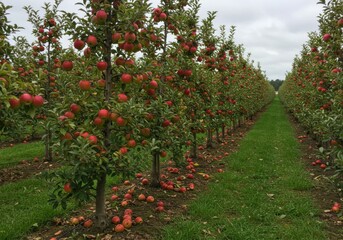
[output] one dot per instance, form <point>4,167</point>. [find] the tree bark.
<point>194,150</point>
<point>155,174</point>
<point>100,211</point>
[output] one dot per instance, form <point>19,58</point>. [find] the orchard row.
<point>313,90</point>
<point>137,80</point>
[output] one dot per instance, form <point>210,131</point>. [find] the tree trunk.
<point>194,150</point>
<point>155,174</point>
<point>100,211</point>
<point>223,132</point>
<point>209,143</point>
<point>217,136</point>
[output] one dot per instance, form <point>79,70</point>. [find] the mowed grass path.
<point>24,151</point>
<point>264,193</point>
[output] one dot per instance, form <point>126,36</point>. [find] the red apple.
<point>103,113</point>
<point>38,101</point>
<point>122,97</point>
<point>101,16</point>
<point>326,37</point>
<point>102,65</point>
<point>92,41</point>
<point>126,78</point>
<point>79,44</point>
<point>67,188</point>
<point>120,122</point>
<point>88,223</point>
<point>93,139</point>
<point>119,228</point>
<point>69,115</point>
<point>127,223</point>
<point>116,219</point>
<point>26,98</point>
<point>150,199</point>
<point>145,181</point>
<point>67,65</point>
<point>116,37</point>
<point>14,102</point>
<point>153,84</point>
<point>138,220</point>
<point>141,197</point>
<point>85,85</point>
<point>75,108</point>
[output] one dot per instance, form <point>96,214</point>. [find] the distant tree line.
<point>276,84</point>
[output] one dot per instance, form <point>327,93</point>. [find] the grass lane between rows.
<point>264,193</point>
<point>24,151</point>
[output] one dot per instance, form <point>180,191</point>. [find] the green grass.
<point>23,151</point>
<point>264,194</point>
<point>24,206</point>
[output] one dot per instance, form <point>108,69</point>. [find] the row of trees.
<point>313,90</point>
<point>137,80</point>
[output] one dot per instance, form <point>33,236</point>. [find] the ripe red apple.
<point>326,37</point>
<point>130,37</point>
<point>116,219</point>
<point>131,143</point>
<point>115,189</point>
<point>74,221</point>
<point>75,108</point>
<point>323,166</point>
<point>79,44</point>
<point>153,84</point>
<point>160,204</point>
<point>182,189</point>
<point>122,97</point>
<point>114,197</point>
<point>38,101</point>
<point>26,98</point>
<point>126,78</point>
<point>102,65</point>
<point>150,199</point>
<point>14,102</point>
<point>159,209</point>
<point>88,223</point>
<point>145,181</point>
<point>92,41</point>
<point>87,52</point>
<point>98,121</point>
<point>123,150</point>
<point>127,223</point>
<point>318,161</point>
<point>139,175</point>
<point>116,37</point>
<point>191,186</point>
<point>69,115</point>
<point>85,85</point>
<point>340,22</point>
<point>67,65</point>
<point>138,220</point>
<point>101,16</point>
<point>141,197</point>
<point>128,196</point>
<point>166,123</point>
<point>103,113</point>
<point>67,188</point>
<point>120,121</point>
<point>119,228</point>
<point>93,139</point>
<point>190,176</point>
<point>163,16</point>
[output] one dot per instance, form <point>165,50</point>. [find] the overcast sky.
<point>273,31</point>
